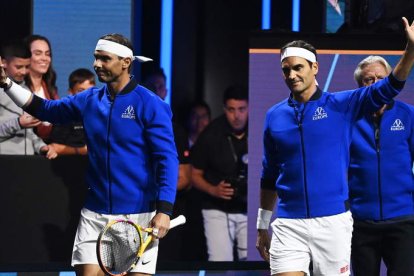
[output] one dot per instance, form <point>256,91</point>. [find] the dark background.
<point>210,52</point>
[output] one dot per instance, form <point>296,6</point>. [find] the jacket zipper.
<point>305,183</point>
<point>377,133</point>
<point>111,102</point>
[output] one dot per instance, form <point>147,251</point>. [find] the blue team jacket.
<point>381,182</point>
<point>133,164</point>
<point>306,148</point>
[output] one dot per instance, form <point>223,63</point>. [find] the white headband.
<point>118,49</point>
<point>298,52</point>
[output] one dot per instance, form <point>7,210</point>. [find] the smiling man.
<point>305,164</point>
<point>133,162</point>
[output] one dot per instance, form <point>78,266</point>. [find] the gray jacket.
<point>14,139</point>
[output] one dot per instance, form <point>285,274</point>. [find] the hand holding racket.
<point>122,242</point>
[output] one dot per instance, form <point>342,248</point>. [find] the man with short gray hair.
<point>381,182</point>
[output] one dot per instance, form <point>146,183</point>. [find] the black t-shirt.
<point>222,156</point>
<point>72,135</point>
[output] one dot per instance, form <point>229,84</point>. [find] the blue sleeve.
<point>159,134</point>
<point>382,92</point>
<point>62,111</point>
<point>270,165</point>
<point>411,139</point>
<point>371,98</point>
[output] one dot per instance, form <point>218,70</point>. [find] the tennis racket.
<point>121,244</point>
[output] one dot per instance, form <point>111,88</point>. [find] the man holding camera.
<point>219,160</point>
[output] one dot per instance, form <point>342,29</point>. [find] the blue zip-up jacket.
<point>306,148</point>
<point>381,182</point>
<point>133,164</point>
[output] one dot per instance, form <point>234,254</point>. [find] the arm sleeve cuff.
<point>165,207</point>
<point>268,184</point>
<point>397,84</point>
<point>18,124</point>
<point>34,106</point>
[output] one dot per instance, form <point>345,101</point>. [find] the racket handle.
<point>177,221</point>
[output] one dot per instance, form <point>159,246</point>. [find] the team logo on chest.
<point>319,114</point>
<point>129,113</point>
<point>397,125</point>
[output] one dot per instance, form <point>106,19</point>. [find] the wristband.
<point>18,94</point>
<point>263,218</point>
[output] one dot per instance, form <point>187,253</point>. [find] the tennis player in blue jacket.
<point>133,165</point>
<point>305,164</point>
<point>381,182</point>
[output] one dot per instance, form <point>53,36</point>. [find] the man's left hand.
<point>161,222</point>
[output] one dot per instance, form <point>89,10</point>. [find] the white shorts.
<point>326,241</point>
<point>89,227</point>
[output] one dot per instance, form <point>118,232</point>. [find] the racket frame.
<point>140,231</point>
<point>143,243</point>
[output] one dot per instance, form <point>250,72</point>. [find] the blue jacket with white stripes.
<point>133,164</point>
<point>306,148</point>
<point>381,181</point>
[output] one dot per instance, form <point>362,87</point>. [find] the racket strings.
<point>119,247</point>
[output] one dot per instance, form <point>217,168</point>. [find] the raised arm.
<point>405,64</point>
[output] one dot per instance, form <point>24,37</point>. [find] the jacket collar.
<point>315,96</point>
<point>127,89</point>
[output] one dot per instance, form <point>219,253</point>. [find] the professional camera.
<point>239,184</point>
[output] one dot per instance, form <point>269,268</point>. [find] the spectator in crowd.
<point>199,117</point>
<point>381,182</point>
<point>41,79</point>
<point>70,139</point>
<point>219,159</point>
<point>16,133</point>
<point>156,82</point>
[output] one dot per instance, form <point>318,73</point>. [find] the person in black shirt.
<point>219,160</point>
